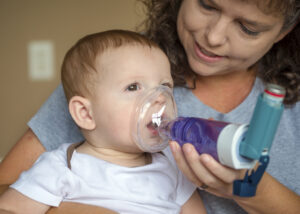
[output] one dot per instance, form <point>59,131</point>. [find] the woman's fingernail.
<point>188,149</point>
<point>205,158</point>
<point>173,146</point>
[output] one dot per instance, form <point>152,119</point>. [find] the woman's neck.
<point>114,156</point>
<point>224,92</point>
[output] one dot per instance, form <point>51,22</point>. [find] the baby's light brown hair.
<point>78,68</point>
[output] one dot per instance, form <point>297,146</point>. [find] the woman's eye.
<point>168,85</point>
<point>133,87</point>
<point>247,31</point>
<point>206,6</point>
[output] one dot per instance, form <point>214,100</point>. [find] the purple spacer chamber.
<point>202,133</point>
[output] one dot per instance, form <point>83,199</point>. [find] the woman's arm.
<point>194,205</point>
<point>67,207</point>
<point>21,157</point>
<point>15,202</point>
<point>77,208</point>
<point>271,196</point>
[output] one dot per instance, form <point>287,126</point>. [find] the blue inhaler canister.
<point>259,137</point>
<point>264,123</point>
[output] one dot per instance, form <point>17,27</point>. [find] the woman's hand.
<point>204,171</point>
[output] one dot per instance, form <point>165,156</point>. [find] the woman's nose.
<point>216,34</point>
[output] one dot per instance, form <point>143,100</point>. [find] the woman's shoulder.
<point>292,112</point>
<point>179,91</point>
<point>53,124</point>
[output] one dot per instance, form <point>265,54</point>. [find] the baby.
<point>103,76</point>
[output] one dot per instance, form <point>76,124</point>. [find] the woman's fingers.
<point>204,174</point>
<point>182,163</point>
<point>204,170</point>
<point>210,172</point>
<point>226,174</point>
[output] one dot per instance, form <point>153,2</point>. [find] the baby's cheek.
<point>121,127</point>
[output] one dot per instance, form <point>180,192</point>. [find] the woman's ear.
<point>81,112</point>
<point>287,31</point>
<point>282,35</point>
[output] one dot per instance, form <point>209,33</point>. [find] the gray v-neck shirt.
<point>54,126</point>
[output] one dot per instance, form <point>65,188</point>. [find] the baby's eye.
<point>133,87</point>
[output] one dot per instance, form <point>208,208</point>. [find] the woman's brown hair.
<point>280,65</point>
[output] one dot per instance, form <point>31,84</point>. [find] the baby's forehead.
<point>129,54</point>
<point>130,60</point>
<point>130,48</point>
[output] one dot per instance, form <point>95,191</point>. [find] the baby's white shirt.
<point>158,187</point>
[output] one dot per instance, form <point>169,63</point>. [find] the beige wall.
<point>63,22</point>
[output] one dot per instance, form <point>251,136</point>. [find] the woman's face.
<point>222,36</point>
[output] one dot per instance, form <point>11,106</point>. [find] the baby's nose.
<point>161,99</point>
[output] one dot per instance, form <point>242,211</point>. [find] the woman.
<point>221,49</point>
<point>222,52</point>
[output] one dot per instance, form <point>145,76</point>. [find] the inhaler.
<point>156,123</point>
<point>239,146</point>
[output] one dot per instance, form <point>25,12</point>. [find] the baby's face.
<point>124,74</point>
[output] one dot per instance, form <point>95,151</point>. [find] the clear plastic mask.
<point>154,108</point>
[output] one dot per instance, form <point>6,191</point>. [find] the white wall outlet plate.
<point>41,60</point>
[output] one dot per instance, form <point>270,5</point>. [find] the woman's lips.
<point>206,55</point>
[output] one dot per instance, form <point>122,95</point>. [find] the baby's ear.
<point>81,112</point>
